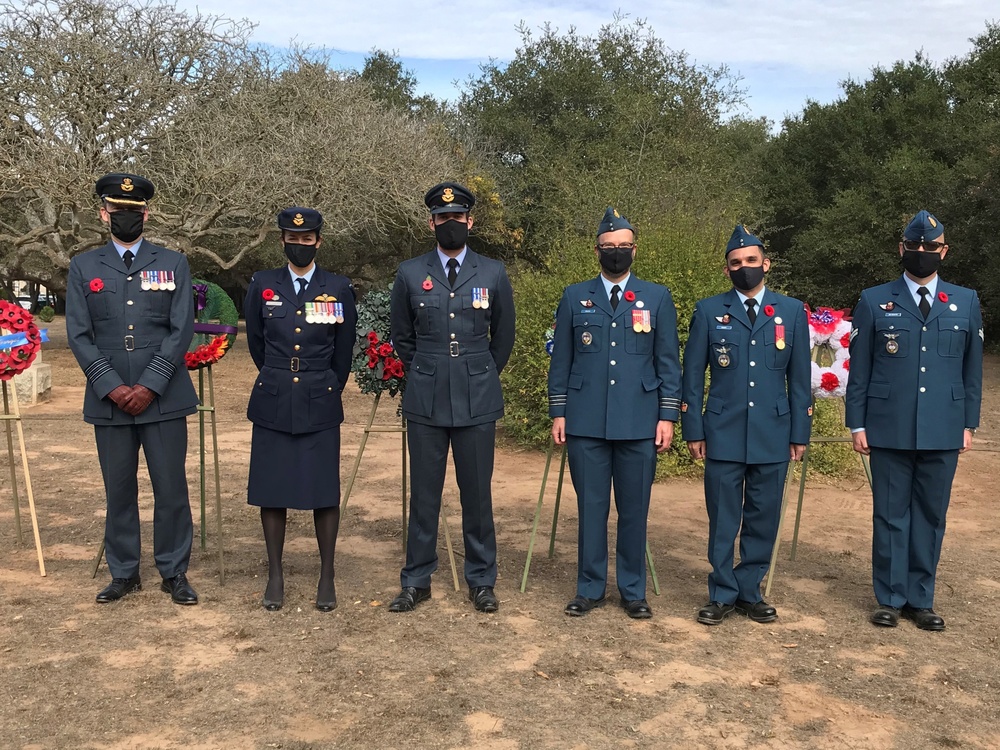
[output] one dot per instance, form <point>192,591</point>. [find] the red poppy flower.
<point>845,340</point>
<point>372,337</point>
<point>630,296</point>
<point>267,294</point>
<point>829,382</point>
<point>96,285</point>
<point>385,350</point>
<point>428,284</point>
<point>768,311</point>
<point>942,296</point>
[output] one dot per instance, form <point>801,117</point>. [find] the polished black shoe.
<point>637,609</point>
<point>885,616</point>
<point>714,613</point>
<point>757,611</point>
<point>581,605</point>
<point>483,599</point>
<point>925,619</point>
<point>118,588</point>
<point>274,595</point>
<point>409,598</point>
<point>179,589</point>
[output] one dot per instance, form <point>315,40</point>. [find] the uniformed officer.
<point>130,318</point>
<point>913,400</point>
<point>614,396</point>
<point>758,415</point>
<point>452,314</point>
<point>301,327</point>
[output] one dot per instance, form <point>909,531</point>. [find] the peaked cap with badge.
<point>741,237</point>
<point>125,190</point>
<point>448,198</point>
<point>612,222</point>
<point>298,219</point>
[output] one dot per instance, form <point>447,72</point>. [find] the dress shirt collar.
<point>445,258</point>
<point>621,284</point>
<point>914,286</point>
<point>121,248</point>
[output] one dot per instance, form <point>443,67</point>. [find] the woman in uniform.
<point>301,323</point>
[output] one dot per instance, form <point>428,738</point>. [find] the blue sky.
<point>787,51</point>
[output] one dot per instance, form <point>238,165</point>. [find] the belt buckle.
<point>130,343</point>
<point>453,348</point>
<point>295,364</point>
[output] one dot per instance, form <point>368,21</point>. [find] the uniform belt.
<point>453,348</point>
<point>128,343</point>
<point>297,364</point>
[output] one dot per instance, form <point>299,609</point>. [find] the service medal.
<point>779,344</point>
<point>476,301</point>
<point>586,337</point>
<point>485,301</point>
<point>144,283</point>
<point>171,284</point>
<point>154,282</point>
<point>338,311</point>
<point>647,322</point>
<point>310,315</point>
<point>779,335</point>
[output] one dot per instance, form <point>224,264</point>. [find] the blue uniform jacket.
<point>303,366</point>
<point>915,384</point>
<point>609,381</point>
<point>122,334</point>
<point>759,399</point>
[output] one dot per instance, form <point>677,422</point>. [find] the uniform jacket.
<point>452,351</point>
<point>759,399</point>
<point>124,335</point>
<point>609,381</point>
<point>915,384</point>
<point>303,366</point>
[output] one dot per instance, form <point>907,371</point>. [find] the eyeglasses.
<point>609,248</point>
<point>930,247</point>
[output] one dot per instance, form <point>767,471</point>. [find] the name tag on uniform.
<point>274,303</point>
<point>587,310</point>
<point>894,315</point>
<point>723,328</point>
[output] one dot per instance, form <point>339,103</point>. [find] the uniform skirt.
<point>294,471</point>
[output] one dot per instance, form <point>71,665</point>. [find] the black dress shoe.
<point>637,609</point>
<point>757,611</point>
<point>118,588</point>
<point>925,619</point>
<point>179,589</point>
<point>714,613</point>
<point>581,605</point>
<point>483,599</point>
<point>886,616</point>
<point>409,598</point>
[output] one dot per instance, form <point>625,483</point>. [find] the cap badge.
<point>127,185</point>
<point>298,220</point>
<point>617,215</point>
<point>931,220</point>
<point>448,196</point>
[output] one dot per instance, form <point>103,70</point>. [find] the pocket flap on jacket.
<point>782,406</point>
<point>878,390</point>
<point>575,380</point>
<point>424,366</point>
<point>650,382</point>
<point>714,405</point>
<point>480,366</point>
<point>271,388</point>
<point>957,391</point>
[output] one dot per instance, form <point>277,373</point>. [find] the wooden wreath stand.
<point>400,428</point>
<point>205,407</point>
<point>555,519</point>
<point>12,413</point>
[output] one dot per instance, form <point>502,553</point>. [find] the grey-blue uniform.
<point>124,333</point>
<point>759,403</point>
<point>915,386</point>
<point>303,349</point>
<point>453,340</point>
<point>614,374</point>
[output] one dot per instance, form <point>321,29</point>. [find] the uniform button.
<point>130,302</point>
<point>131,327</point>
<point>922,389</point>
<point>751,403</point>
<point>612,382</point>
<point>297,347</point>
<point>614,343</point>
<point>923,369</point>
<point>613,362</point>
<point>751,384</point>
<point>956,328</point>
<point>753,342</point>
<point>891,327</point>
<point>295,380</point>
<point>329,388</point>
<point>298,312</point>
<point>298,330</point>
<point>452,295</point>
<point>924,328</point>
<point>614,325</point>
<point>923,348</point>
<point>451,315</point>
<point>128,278</point>
<point>453,336</point>
<point>421,304</point>
<point>753,364</point>
<point>722,341</point>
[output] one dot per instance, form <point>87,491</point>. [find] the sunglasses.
<point>609,248</point>
<point>930,247</point>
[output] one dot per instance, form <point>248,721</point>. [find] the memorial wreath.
<point>20,340</point>
<point>376,366</point>
<point>215,325</point>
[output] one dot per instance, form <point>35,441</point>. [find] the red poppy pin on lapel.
<point>630,296</point>
<point>428,284</point>
<point>768,311</point>
<point>942,296</point>
<point>267,294</point>
<point>96,285</point>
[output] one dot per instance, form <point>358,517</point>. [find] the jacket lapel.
<point>109,256</point>
<point>762,317</point>
<point>904,300</point>
<point>937,306</point>
<point>633,285</point>
<point>146,256</point>
<point>467,271</point>
<point>435,270</point>
<point>285,288</point>
<point>736,309</point>
<point>600,296</point>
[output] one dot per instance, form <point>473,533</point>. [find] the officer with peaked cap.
<point>129,318</point>
<point>758,415</point>
<point>913,401</point>
<point>452,314</point>
<point>614,395</point>
<point>301,328</point>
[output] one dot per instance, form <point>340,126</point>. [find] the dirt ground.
<point>145,673</point>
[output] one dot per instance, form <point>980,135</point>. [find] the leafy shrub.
<point>46,314</point>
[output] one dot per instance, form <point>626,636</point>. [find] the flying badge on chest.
<point>888,305</point>
<point>586,338</point>
<point>587,302</point>
<point>891,345</point>
<point>723,356</point>
<point>724,319</point>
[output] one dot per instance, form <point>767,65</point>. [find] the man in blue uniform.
<point>757,417</point>
<point>301,329</point>
<point>913,401</point>
<point>614,396</point>
<point>452,321</point>
<point>130,318</point>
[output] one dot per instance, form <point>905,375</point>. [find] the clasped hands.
<point>134,400</point>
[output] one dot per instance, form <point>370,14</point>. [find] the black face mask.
<point>126,225</point>
<point>617,261</point>
<point>298,255</point>
<point>452,235</point>
<point>746,278</point>
<point>919,264</point>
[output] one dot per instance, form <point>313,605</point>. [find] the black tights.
<point>327,523</point>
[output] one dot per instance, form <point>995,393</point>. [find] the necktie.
<point>615,291</point>
<point>452,271</point>
<point>752,310</point>
<point>302,288</point>
<point>128,256</point>
<point>925,302</point>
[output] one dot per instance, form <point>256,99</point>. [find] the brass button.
<point>330,388</point>
<point>298,312</point>
<point>128,278</point>
<point>295,380</point>
<point>131,327</point>
<point>297,347</point>
<point>298,330</point>
<point>452,295</point>
<point>453,336</point>
<point>451,315</point>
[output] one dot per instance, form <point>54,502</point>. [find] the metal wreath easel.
<point>555,519</point>
<point>14,415</point>
<point>400,428</point>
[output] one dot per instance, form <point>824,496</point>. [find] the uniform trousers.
<point>595,464</point>
<point>748,496</point>
<point>910,491</point>
<point>473,451</point>
<point>165,447</point>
